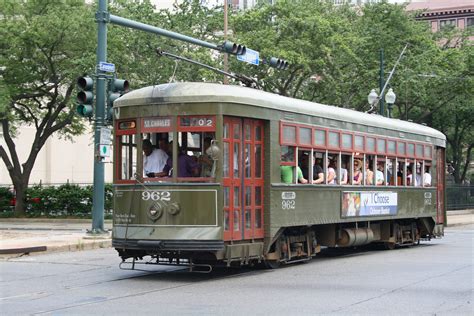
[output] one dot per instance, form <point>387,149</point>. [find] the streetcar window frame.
<point>119,132</point>
<point>365,147</point>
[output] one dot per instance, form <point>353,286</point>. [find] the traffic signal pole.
<point>102,18</point>
<point>101,80</point>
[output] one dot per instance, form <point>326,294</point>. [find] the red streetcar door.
<point>243,178</point>
<point>440,183</point>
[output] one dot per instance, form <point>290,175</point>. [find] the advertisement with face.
<point>368,203</point>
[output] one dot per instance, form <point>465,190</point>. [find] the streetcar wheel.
<point>389,245</point>
<point>272,264</point>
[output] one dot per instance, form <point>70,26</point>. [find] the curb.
<point>49,220</point>
<point>79,244</point>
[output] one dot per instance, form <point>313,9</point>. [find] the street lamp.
<point>372,97</point>
<point>390,98</point>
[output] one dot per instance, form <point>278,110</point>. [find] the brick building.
<point>442,13</point>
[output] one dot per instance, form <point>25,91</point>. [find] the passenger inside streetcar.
<point>357,172</point>
<point>379,173</point>
<point>154,159</point>
<point>369,174</point>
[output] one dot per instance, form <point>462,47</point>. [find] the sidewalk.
<point>30,235</point>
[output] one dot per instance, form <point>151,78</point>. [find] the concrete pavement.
<point>31,235</point>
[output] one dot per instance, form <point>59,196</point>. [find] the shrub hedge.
<point>67,200</point>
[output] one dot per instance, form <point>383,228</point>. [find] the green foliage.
<point>6,196</point>
<point>68,200</point>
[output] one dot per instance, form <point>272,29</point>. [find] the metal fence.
<point>459,197</point>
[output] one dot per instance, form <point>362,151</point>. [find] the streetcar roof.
<point>200,92</point>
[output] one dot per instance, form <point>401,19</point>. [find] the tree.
<point>45,45</point>
<point>334,57</point>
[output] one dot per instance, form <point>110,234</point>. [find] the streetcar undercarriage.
<point>290,245</point>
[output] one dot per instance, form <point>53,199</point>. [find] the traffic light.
<point>232,48</point>
<point>278,63</point>
<point>117,88</point>
<point>85,97</point>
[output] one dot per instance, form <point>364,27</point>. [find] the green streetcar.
<point>254,193</point>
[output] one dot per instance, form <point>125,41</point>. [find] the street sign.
<point>105,134</point>
<point>104,150</point>
<point>251,56</point>
<point>107,67</point>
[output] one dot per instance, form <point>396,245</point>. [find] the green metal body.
<point>201,204</point>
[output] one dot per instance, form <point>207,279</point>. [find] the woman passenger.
<point>357,172</point>
<point>331,172</point>
<point>343,176</point>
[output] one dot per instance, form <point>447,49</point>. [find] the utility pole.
<point>101,18</point>
<point>226,58</point>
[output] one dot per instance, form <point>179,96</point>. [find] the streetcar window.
<point>318,168</point>
<point>419,150</point>
<point>370,144</point>
<point>225,161</point>
<point>345,170</point>
<point>370,169</point>
<point>320,138</point>
<point>381,146</point>
<point>411,150</point>
<point>289,134</point>
<point>380,177</point>
<point>128,156</point>
<point>195,157</point>
<point>401,173</point>
<point>347,141</point>
<point>391,147</point>
<point>156,152</point>
<point>305,136</point>
<point>258,161</point>
<point>333,139</point>
<point>401,148</point>
<point>428,153</point>
<point>359,142</point>
<point>427,178</point>
<point>391,171</point>
<point>287,154</point>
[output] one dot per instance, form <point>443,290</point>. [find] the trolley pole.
<point>101,17</point>
<point>382,84</point>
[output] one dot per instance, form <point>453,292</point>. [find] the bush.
<point>6,196</point>
<point>67,200</point>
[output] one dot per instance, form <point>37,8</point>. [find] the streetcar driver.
<point>154,159</point>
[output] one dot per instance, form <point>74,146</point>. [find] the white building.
<point>59,161</point>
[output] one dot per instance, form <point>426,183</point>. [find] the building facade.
<point>59,161</point>
<point>443,13</point>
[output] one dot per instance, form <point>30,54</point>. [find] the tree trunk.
<point>20,195</point>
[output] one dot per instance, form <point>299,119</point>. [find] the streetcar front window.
<point>128,157</point>
<point>126,153</point>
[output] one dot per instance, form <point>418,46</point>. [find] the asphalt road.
<point>434,278</point>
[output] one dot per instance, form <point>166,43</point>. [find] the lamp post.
<point>390,98</point>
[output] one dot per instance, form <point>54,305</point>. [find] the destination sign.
<point>157,122</point>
